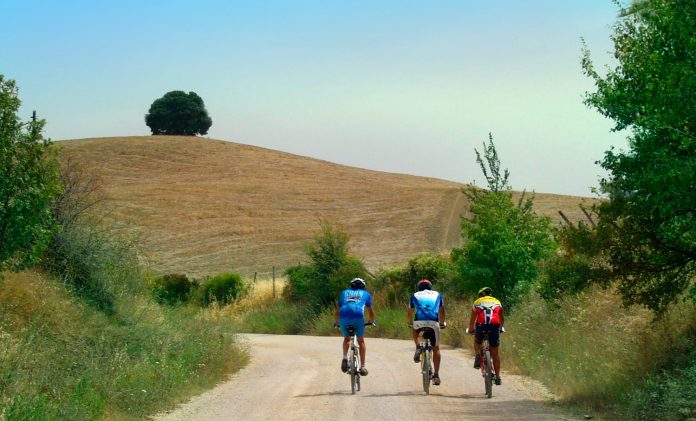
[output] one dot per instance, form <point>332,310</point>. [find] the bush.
<point>223,289</point>
<point>318,283</point>
<point>399,282</point>
<point>94,266</point>
<point>317,290</point>
<point>173,288</point>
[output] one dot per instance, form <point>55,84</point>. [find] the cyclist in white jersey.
<point>429,309</point>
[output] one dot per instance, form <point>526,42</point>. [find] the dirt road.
<point>299,378</point>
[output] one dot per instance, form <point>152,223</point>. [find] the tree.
<point>178,113</point>
<point>331,267</point>
<point>504,242</point>
<point>647,227</point>
<point>28,184</point>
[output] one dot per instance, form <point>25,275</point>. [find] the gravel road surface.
<point>299,378</point>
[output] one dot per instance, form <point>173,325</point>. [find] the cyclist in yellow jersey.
<point>488,315</point>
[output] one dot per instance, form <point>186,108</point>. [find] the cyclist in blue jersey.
<point>350,311</point>
<point>429,308</point>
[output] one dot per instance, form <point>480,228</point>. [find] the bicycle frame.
<point>486,365</point>
<point>426,359</point>
<point>426,347</point>
<point>354,362</point>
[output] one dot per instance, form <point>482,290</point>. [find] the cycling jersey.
<point>352,303</point>
<point>427,304</point>
<point>487,310</point>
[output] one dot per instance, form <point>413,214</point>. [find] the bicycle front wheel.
<point>488,375</point>
<point>426,370</point>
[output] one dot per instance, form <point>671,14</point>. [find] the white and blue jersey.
<point>351,305</point>
<point>427,304</point>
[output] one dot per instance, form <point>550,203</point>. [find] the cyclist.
<point>350,311</point>
<point>489,316</point>
<point>429,310</point>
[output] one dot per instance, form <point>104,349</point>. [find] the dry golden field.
<point>204,206</point>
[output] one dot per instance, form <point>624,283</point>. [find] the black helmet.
<point>357,283</point>
<point>485,291</point>
<point>424,284</point>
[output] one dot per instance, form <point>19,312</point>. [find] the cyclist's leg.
<point>436,359</point>
<point>494,337</point>
<point>478,338</point>
<point>415,335</point>
<point>343,324</point>
<point>496,360</point>
<point>360,333</point>
<point>361,342</point>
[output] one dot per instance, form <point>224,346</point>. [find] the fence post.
<point>274,282</point>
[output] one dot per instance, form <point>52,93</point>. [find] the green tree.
<point>504,241</point>
<point>28,184</point>
<point>178,113</point>
<point>647,227</point>
<point>329,271</point>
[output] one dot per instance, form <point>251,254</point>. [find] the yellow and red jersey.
<point>488,310</point>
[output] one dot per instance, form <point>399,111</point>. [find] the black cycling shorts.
<point>493,334</point>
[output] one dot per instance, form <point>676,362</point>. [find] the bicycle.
<point>425,332</point>
<point>487,370</point>
<point>354,358</point>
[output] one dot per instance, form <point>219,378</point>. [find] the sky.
<point>401,86</point>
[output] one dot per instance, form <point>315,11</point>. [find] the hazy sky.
<point>400,86</point>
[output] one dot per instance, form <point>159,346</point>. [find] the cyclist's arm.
<point>441,314</point>
<point>336,315</point>
<point>371,312</point>
<point>409,316</point>
<point>502,317</point>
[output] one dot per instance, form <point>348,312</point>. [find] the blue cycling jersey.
<point>427,304</point>
<point>352,303</point>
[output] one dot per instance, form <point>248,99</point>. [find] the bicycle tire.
<point>354,375</point>
<point>426,370</point>
<point>488,377</point>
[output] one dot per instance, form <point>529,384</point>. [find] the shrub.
<point>399,281</point>
<point>173,288</point>
<point>94,266</point>
<point>318,283</point>
<point>223,289</point>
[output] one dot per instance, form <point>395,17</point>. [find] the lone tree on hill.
<point>178,113</point>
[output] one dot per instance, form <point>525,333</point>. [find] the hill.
<point>203,206</point>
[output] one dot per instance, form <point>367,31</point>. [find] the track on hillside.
<point>298,378</point>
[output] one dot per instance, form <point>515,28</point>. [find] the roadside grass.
<point>63,359</point>
<point>596,355</point>
<point>264,310</point>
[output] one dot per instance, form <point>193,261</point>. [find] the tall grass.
<point>263,310</point>
<point>61,359</point>
<point>597,355</point>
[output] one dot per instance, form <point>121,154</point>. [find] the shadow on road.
<point>396,394</point>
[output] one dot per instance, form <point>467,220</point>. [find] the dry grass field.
<point>203,206</point>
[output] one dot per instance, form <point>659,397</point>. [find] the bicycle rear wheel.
<point>354,375</point>
<point>426,370</point>
<point>488,375</point>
